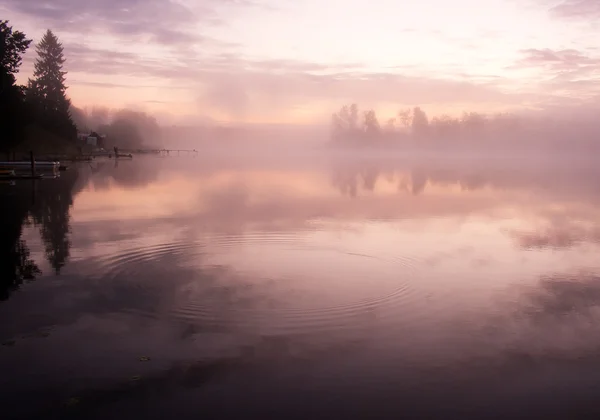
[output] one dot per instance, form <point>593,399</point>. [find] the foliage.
<point>13,45</point>
<point>13,113</point>
<point>347,126</point>
<point>36,117</point>
<point>125,128</point>
<point>414,126</point>
<point>46,93</point>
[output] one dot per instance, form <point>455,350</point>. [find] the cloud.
<point>237,87</point>
<point>577,9</point>
<point>165,22</point>
<point>566,59</point>
<point>568,72</point>
<point>300,89</point>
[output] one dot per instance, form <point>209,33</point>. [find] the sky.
<point>297,61</point>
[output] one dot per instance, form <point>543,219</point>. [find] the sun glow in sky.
<point>297,61</point>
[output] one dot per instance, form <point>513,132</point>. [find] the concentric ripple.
<point>244,282</point>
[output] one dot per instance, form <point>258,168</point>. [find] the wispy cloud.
<point>557,59</point>
<point>166,22</point>
<point>563,71</point>
<point>577,9</point>
<point>226,55</point>
<point>238,87</point>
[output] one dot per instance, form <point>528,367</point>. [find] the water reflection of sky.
<point>391,269</point>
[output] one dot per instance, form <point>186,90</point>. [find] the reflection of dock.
<point>162,152</point>
<point>32,169</point>
<point>167,152</point>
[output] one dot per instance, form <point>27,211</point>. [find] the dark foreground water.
<point>313,288</point>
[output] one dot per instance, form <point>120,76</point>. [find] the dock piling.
<point>31,157</point>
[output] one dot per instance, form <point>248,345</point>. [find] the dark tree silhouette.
<point>16,265</point>
<point>13,45</point>
<point>49,210</point>
<point>47,91</point>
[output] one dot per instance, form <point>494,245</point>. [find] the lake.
<point>302,287</point>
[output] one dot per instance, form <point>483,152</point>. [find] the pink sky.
<point>297,61</point>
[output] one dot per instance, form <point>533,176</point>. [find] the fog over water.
<point>317,209</point>
<point>322,282</point>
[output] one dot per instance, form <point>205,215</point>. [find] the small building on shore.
<point>91,141</point>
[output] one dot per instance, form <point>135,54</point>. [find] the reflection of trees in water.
<point>201,305</point>
<point>50,212</point>
<point>47,204</point>
<point>413,177</point>
<point>126,173</point>
<point>562,226</point>
<point>346,182</point>
<point>418,182</point>
<point>351,181</point>
<point>16,265</point>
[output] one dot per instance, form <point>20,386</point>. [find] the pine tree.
<point>47,91</point>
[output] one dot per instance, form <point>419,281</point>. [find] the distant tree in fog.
<point>345,122</point>
<point>122,133</point>
<point>412,126</point>
<point>390,126</point>
<point>405,118</point>
<point>371,124</point>
<point>97,116</point>
<point>347,127</point>
<point>79,118</point>
<point>124,128</point>
<point>474,122</point>
<point>353,117</point>
<point>145,124</point>
<point>445,127</point>
<point>420,123</point>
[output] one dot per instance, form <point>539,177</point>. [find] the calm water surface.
<point>199,288</point>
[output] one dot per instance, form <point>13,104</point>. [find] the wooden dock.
<point>169,152</point>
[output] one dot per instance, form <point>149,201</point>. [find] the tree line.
<point>124,128</point>
<point>39,116</point>
<point>351,125</point>
<point>35,116</point>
